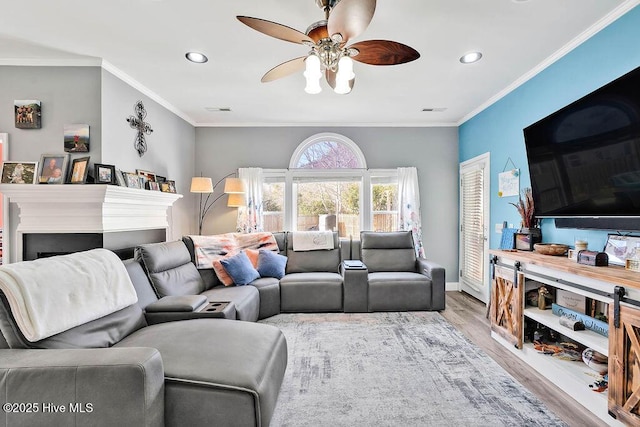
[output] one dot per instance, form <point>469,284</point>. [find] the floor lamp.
<point>204,185</point>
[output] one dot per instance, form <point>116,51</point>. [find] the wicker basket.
<point>551,248</point>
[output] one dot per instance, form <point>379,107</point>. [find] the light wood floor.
<point>469,316</point>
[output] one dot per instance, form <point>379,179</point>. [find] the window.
<point>273,203</point>
<point>328,187</point>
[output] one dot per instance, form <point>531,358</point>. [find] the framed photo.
<point>523,241</point>
<point>104,174</point>
<point>79,170</point>
<point>27,114</point>
<point>168,187</point>
<point>160,178</point>
<point>153,186</point>
<point>132,179</point>
<point>76,138</point>
<point>120,178</point>
<point>53,168</point>
<point>620,248</point>
<point>146,177</point>
<point>19,172</point>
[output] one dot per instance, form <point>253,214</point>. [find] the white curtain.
<point>409,206</point>
<point>250,218</point>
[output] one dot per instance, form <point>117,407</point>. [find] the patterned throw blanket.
<point>208,249</point>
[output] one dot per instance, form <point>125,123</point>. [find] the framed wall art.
<point>76,138</point>
<point>79,170</point>
<point>28,114</point>
<point>53,168</point>
<point>19,172</point>
<point>620,248</point>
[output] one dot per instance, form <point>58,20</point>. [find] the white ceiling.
<point>145,41</point>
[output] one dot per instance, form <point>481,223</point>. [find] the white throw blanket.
<point>312,240</point>
<point>51,295</point>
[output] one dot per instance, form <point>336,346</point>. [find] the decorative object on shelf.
<point>168,186</point>
<point>597,259</point>
<point>581,245</point>
<point>28,114</point>
<point>596,361</point>
<point>204,185</point>
<point>154,186</point>
<point>574,325</point>
<point>143,128</point>
<point>76,138</point>
<point>571,300</point>
<point>620,248</point>
<point>132,180</point>
<point>105,174</point>
<point>590,323</point>
<point>509,180</point>
<point>528,221</point>
<point>145,177</point>
<point>120,178</point>
<point>508,238</point>
<point>556,249</point>
<point>524,241</point>
<point>53,168</point>
<point>79,170</point>
<point>19,172</point>
<point>327,39</point>
<point>544,298</point>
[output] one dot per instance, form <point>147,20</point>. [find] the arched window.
<point>327,151</point>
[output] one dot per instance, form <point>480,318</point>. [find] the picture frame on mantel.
<point>19,172</point>
<point>79,170</point>
<point>53,168</point>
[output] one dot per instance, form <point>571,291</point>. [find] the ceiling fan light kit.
<point>329,55</point>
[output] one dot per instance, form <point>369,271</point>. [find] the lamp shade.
<point>236,200</point>
<point>233,186</point>
<point>200,184</point>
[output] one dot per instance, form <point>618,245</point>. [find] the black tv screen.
<point>584,160</point>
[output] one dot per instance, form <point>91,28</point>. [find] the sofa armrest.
<point>111,386</point>
<point>179,303</point>
<point>356,288</point>
<point>437,275</point>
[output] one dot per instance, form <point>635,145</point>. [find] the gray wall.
<point>434,151</point>
<point>170,148</point>
<point>68,94</point>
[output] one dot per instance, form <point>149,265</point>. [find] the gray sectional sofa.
<point>165,360</point>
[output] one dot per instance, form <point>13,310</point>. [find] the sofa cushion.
<point>312,261</point>
<point>231,371</point>
<point>271,264</point>
<point>240,269</point>
<point>269,290</point>
<point>311,292</point>
<point>391,251</point>
<point>399,291</point>
<point>169,267</point>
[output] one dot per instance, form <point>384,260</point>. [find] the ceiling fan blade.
<point>331,79</point>
<point>350,18</point>
<point>274,29</point>
<point>384,52</point>
<point>285,69</point>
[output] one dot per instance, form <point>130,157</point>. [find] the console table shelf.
<point>513,274</point>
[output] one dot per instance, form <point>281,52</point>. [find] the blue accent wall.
<point>607,55</point>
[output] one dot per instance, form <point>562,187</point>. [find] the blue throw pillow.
<point>240,269</point>
<point>271,264</point>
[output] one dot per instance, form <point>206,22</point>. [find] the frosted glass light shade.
<point>200,184</point>
<point>344,75</point>
<point>313,74</point>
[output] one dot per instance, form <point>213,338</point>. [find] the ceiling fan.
<point>344,20</point>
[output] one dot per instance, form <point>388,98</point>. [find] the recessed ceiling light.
<point>433,109</point>
<point>471,57</point>
<point>218,109</point>
<point>197,57</point>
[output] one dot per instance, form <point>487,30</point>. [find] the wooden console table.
<point>514,273</point>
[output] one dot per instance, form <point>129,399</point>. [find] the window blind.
<point>472,228</point>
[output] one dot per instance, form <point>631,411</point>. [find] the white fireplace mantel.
<point>89,208</point>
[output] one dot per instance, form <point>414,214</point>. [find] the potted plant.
<point>526,209</point>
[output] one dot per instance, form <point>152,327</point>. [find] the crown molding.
<point>327,124</point>
<point>107,66</point>
<point>577,41</point>
<point>51,62</point>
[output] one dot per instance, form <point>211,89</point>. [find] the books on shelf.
<point>589,322</point>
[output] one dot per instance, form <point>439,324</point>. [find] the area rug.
<point>395,369</point>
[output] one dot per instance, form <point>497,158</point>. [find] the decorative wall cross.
<point>137,122</point>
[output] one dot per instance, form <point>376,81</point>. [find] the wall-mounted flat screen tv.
<point>584,160</point>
